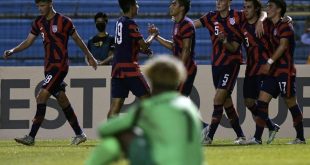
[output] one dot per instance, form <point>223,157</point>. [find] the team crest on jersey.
<point>275,32</point>
<point>232,21</point>
<point>245,33</point>
<point>216,23</point>
<point>54,28</point>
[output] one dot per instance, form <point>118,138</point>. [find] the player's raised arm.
<point>90,58</point>
<point>22,46</point>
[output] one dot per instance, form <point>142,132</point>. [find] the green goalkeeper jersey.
<point>171,125</point>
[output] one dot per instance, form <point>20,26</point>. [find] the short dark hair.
<point>126,4</point>
<point>280,4</point>
<point>186,4</point>
<point>257,5</point>
<point>38,1</point>
<point>101,15</point>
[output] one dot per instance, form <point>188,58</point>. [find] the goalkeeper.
<point>163,129</point>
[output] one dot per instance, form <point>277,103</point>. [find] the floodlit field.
<point>222,152</point>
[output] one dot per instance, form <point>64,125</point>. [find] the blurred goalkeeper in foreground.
<point>163,129</point>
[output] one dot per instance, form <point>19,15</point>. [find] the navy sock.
<point>38,119</point>
<point>297,120</point>
<point>234,120</point>
<point>72,119</point>
<point>262,116</point>
<point>216,119</point>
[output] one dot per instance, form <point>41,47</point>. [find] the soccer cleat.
<point>272,133</point>
<point>297,141</point>
<point>240,140</point>
<point>26,140</point>
<point>253,141</point>
<point>204,132</point>
<point>206,141</point>
<point>78,139</point>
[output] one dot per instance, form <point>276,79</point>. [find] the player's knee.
<point>290,101</point>
<point>249,103</point>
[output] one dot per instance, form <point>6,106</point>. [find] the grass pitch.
<point>58,152</point>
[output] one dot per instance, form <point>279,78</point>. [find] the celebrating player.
<point>55,30</point>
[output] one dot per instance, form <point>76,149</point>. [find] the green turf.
<point>222,152</point>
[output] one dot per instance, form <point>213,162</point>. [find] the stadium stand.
<point>17,15</point>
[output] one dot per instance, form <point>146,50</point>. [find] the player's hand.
<point>264,70</point>
<point>287,19</point>
<point>222,37</point>
<point>259,29</point>
<point>153,30</point>
<point>92,61</point>
<point>7,54</point>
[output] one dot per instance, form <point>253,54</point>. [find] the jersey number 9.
<point>118,33</point>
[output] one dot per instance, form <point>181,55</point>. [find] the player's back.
<point>125,59</point>
<point>126,41</point>
<point>175,137</point>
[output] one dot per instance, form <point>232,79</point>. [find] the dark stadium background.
<point>16,17</point>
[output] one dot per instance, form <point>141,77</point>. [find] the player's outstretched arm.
<point>197,24</point>
<point>153,30</point>
<point>22,46</point>
<point>90,58</point>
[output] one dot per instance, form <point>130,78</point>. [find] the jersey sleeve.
<point>35,30</point>
<point>134,30</point>
<point>205,20</point>
<point>286,30</point>
<point>187,30</point>
<point>69,27</point>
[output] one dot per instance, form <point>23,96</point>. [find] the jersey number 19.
<point>118,33</point>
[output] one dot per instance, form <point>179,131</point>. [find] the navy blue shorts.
<point>186,87</point>
<point>54,81</point>
<point>252,86</point>
<point>225,77</point>
<point>120,87</point>
<point>282,84</point>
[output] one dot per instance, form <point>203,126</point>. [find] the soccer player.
<point>155,142</point>
<point>126,74</point>
<point>258,51</point>
<point>55,30</point>
<point>281,74</point>
<point>183,42</point>
<point>102,44</point>
<point>226,59</point>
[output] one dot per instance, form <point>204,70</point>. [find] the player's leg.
<point>115,107</point>
<point>64,103</point>
<point>288,92</point>
<point>53,78</point>
<point>41,100</point>
<point>233,117</point>
<point>251,89</point>
<point>119,91</point>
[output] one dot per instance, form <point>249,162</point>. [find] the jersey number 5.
<point>118,33</point>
